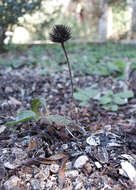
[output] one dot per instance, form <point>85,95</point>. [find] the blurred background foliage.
<point>96,20</point>
<point>11,11</point>
<point>29,22</point>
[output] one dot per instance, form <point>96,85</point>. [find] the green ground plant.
<point>103,60</point>
<point>108,60</point>
<point>85,95</point>
<point>10,63</point>
<point>35,114</point>
<point>112,101</point>
<point>107,99</point>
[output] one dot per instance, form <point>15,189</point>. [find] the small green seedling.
<point>35,114</point>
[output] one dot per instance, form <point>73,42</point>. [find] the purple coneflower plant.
<point>61,34</point>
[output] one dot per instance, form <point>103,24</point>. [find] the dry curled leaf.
<point>32,145</point>
<point>62,172</point>
<point>57,156</point>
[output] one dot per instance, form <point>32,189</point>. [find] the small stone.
<point>51,183</point>
<point>98,165</point>
<point>5,151</point>
<point>54,168</point>
<point>79,186</point>
<point>45,171</point>
<point>2,128</point>
<point>8,89</point>
<point>129,169</point>
<point>2,171</point>
<point>65,146</point>
<point>71,173</point>
<point>68,184</point>
<point>40,175</point>
<point>28,186</point>
<point>9,165</point>
<point>28,177</point>
<point>14,101</point>
<point>43,184</point>
<point>19,154</point>
<point>93,140</point>
<point>88,149</point>
<point>117,187</point>
<point>122,172</point>
<point>59,85</point>
<point>80,161</point>
<point>12,182</point>
<point>107,127</point>
<point>88,167</point>
<point>1,122</point>
<point>35,184</point>
<point>69,165</point>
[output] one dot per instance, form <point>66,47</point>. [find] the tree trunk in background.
<point>131,19</point>
<point>129,24</point>
<point>109,22</point>
<point>2,38</point>
<point>133,28</point>
<point>103,21</point>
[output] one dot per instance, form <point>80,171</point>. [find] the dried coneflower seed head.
<point>60,33</point>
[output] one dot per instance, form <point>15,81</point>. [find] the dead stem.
<point>69,67</point>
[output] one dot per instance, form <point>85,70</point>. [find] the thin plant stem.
<point>70,74</point>
<point>69,67</point>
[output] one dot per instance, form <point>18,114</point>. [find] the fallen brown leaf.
<point>62,172</point>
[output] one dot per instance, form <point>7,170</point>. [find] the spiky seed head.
<point>60,33</point>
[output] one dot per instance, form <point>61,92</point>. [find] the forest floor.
<point>97,149</point>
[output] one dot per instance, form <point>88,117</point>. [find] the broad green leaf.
<point>35,104</point>
<point>112,67</point>
<point>121,97</point>
<point>23,116</point>
<point>91,92</point>
<point>126,94</point>
<point>106,107</point>
<point>121,65</point>
<point>110,107</point>
<point>120,101</point>
<point>81,96</point>
<point>122,76</point>
<point>105,100</point>
<point>26,115</point>
<point>102,71</point>
<point>114,107</point>
<point>43,102</point>
<point>109,93</point>
<point>85,94</point>
<point>58,119</point>
<point>133,66</point>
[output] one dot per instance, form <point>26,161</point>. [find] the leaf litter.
<point>37,145</point>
